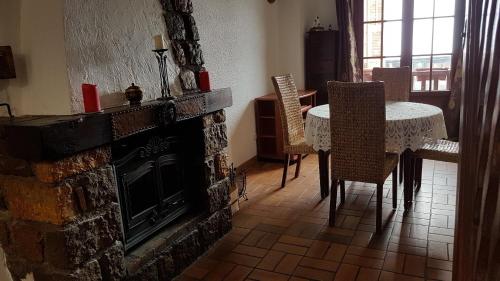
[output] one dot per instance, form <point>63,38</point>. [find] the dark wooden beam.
<point>39,138</point>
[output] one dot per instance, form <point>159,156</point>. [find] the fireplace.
<point>115,195</point>
<point>149,174</point>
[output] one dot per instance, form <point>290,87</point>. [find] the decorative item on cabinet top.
<point>7,69</point>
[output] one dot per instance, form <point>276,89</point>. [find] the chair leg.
<point>380,188</point>
<point>297,167</point>
<point>333,202</point>
<point>409,178</point>
<point>407,185</point>
<point>401,167</point>
<point>395,188</point>
<point>342,191</point>
<point>418,173</point>
<point>323,172</point>
<point>412,177</point>
<point>285,169</point>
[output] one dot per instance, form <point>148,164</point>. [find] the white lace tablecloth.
<point>408,125</point>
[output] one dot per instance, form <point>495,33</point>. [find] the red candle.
<point>204,81</point>
<point>91,100</point>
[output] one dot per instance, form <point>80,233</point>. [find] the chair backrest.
<point>289,104</point>
<point>397,82</point>
<point>357,126</point>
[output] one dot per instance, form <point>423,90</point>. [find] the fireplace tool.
<point>8,109</point>
<point>239,180</point>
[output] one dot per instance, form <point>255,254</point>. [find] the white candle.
<point>159,43</point>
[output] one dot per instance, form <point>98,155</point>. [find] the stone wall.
<point>61,220</point>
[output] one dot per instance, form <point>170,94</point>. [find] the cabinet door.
<point>321,62</point>
<point>319,82</point>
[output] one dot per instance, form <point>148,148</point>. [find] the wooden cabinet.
<point>321,61</point>
<point>268,123</point>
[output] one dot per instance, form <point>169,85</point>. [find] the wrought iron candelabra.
<point>161,57</point>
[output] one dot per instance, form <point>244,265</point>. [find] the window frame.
<point>382,23</point>
<point>407,38</point>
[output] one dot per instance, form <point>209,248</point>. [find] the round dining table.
<point>408,127</point>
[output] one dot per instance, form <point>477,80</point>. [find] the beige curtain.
<point>349,66</point>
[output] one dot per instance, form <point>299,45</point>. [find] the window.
<point>382,22</point>
<point>428,30</point>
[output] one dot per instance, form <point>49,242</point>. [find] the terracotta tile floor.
<point>283,234</point>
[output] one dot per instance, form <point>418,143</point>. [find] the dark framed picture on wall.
<point>7,70</point>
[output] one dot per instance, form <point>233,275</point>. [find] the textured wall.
<point>245,43</point>
<point>36,32</point>
<point>109,43</point>
<point>238,38</point>
<point>9,36</point>
<point>295,18</point>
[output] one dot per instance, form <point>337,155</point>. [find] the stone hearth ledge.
<point>59,212</point>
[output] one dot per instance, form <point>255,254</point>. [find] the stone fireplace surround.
<point>59,210</point>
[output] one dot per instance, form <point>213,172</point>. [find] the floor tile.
<point>390,276</point>
<point>438,274</point>
<point>263,275</point>
<point>288,264</point>
<point>319,264</point>
<point>314,274</point>
<point>336,252</point>
<point>291,249</point>
<point>414,265</point>
<point>394,262</point>
<point>240,272</point>
<point>283,234</point>
<point>271,260</point>
<point>368,274</point>
<point>318,249</point>
<point>220,271</point>
<point>347,272</point>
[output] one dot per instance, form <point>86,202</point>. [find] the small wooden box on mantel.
<point>268,123</point>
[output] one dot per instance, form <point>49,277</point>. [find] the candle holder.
<point>161,57</point>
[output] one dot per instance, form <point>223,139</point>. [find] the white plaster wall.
<point>9,36</point>
<point>60,44</point>
<point>34,29</point>
<point>238,38</point>
<point>245,43</point>
<point>296,17</point>
<point>110,43</point>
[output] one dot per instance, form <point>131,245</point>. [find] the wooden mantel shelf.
<point>40,138</point>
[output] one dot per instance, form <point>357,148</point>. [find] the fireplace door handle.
<point>177,203</point>
<point>153,218</point>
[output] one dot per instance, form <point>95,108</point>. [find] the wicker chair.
<point>292,122</point>
<point>397,88</point>
<point>396,81</point>
<point>439,150</point>
<point>357,120</point>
